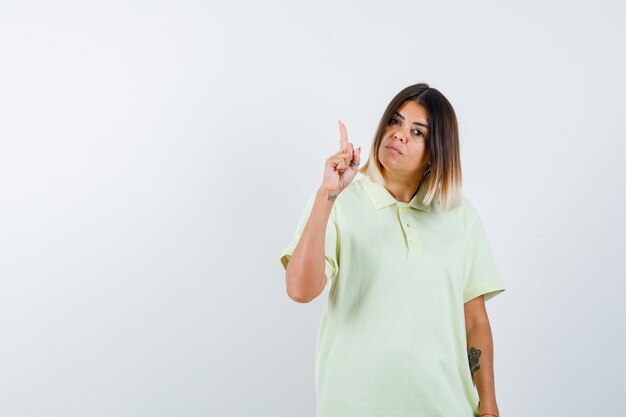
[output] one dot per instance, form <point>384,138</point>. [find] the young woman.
<point>405,332</point>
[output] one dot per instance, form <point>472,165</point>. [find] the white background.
<point>155,158</point>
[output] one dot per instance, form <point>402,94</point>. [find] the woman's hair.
<point>443,184</point>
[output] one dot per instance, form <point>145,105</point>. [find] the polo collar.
<point>380,197</point>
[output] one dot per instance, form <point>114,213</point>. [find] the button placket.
<point>412,243</point>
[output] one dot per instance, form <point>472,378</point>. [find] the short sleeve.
<point>481,274</point>
<point>331,243</point>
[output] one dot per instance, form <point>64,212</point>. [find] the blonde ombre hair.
<point>442,185</point>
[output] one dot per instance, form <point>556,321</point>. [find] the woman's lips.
<point>394,150</point>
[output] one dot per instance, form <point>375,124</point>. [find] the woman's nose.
<point>399,135</point>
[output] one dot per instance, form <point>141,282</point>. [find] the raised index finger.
<point>343,141</point>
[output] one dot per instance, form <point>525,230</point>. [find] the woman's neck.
<point>402,188</point>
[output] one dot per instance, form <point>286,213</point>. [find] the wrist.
<point>327,195</point>
<point>488,409</point>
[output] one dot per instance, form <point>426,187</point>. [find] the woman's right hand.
<point>342,167</point>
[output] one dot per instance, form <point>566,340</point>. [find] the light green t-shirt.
<point>392,341</point>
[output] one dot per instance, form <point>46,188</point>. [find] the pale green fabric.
<point>391,340</point>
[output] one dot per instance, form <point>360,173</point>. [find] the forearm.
<point>480,357</point>
<point>305,270</point>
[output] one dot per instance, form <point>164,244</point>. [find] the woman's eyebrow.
<point>415,123</point>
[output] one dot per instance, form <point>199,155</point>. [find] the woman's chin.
<point>386,161</point>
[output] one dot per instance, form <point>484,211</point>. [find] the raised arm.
<point>305,271</point>
<point>305,275</point>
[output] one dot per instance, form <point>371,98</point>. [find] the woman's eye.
<point>393,121</point>
<point>418,132</point>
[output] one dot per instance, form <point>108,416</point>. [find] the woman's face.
<point>404,146</point>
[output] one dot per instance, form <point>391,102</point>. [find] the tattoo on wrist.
<point>332,197</point>
<point>474,355</point>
